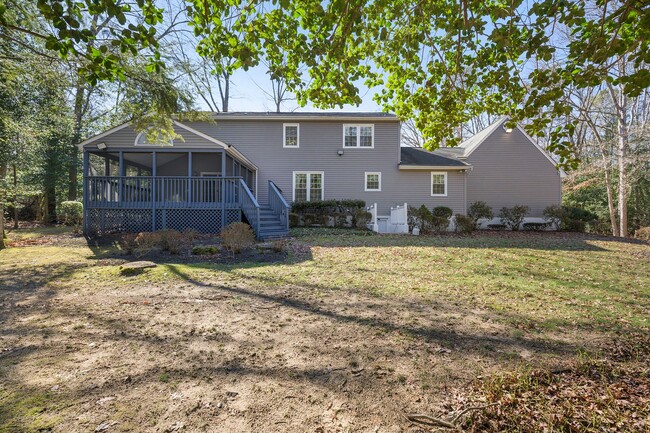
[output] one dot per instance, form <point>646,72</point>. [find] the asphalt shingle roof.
<point>418,156</point>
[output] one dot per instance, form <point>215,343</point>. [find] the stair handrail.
<point>278,204</point>
<point>250,207</point>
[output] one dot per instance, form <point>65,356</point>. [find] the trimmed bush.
<point>442,212</point>
<point>425,219</point>
<point>642,233</point>
<point>309,219</point>
<point>574,226</point>
<point>479,210</point>
<point>337,213</point>
<point>326,206</point>
<point>362,219</point>
<point>512,217</point>
<point>441,216</point>
<point>464,224</point>
<point>294,220</point>
<point>237,237</point>
<point>71,213</point>
<point>555,215</point>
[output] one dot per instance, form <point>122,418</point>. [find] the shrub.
<point>555,215</point>
<point>190,235</point>
<point>237,237</point>
<point>362,219</point>
<point>145,243</point>
<point>536,227</point>
<point>600,227</point>
<point>128,242</point>
<point>309,219</point>
<point>574,226</point>
<point>642,233</point>
<point>71,213</point>
<point>326,206</point>
<point>513,217</point>
<point>425,219</point>
<point>440,220</point>
<point>442,212</point>
<point>464,224</point>
<point>412,218</point>
<point>205,250</point>
<point>321,211</point>
<point>576,213</point>
<point>479,210</point>
<point>339,219</point>
<point>171,240</point>
<point>294,220</point>
<point>496,226</point>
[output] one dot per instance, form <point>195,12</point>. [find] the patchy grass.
<point>348,333</point>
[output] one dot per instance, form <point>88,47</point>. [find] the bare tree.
<point>410,134</point>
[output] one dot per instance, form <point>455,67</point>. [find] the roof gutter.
<point>435,167</point>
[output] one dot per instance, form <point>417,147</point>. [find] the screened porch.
<point>166,188</point>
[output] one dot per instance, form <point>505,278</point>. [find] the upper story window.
<point>141,140</point>
<point>360,136</point>
<point>438,184</point>
<point>291,136</point>
<point>373,181</point>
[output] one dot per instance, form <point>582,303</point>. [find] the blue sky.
<point>247,96</point>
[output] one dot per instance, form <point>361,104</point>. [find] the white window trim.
<point>322,182</point>
<point>137,139</point>
<point>365,181</point>
<point>433,173</point>
<point>210,173</point>
<point>359,126</point>
<point>284,135</point>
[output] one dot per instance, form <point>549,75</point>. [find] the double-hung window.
<point>373,181</point>
<point>438,184</point>
<point>291,135</point>
<point>359,136</point>
<point>307,185</point>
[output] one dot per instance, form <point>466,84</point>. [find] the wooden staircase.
<point>271,226</point>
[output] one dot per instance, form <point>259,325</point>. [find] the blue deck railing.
<point>163,192</point>
<point>278,204</point>
<point>250,208</point>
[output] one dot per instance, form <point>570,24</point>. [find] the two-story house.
<point>251,166</point>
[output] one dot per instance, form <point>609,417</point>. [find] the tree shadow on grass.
<point>432,335</point>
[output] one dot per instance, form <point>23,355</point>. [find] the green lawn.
<point>346,334</point>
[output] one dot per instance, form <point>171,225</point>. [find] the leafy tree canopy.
<point>440,62</point>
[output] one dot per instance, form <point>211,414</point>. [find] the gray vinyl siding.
<point>508,169</point>
<point>344,176</point>
<point>320,140</point>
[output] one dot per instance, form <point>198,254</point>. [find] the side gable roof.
<point>470,145</point>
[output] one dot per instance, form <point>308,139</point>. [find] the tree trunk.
<point>610,203</point>
<point>622,177</point>
<point>76,139</point>
<point>2,226</point>
<point>15,197</point>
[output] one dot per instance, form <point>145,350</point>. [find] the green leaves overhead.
<point>80,31</point>
<point>440,62</point>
